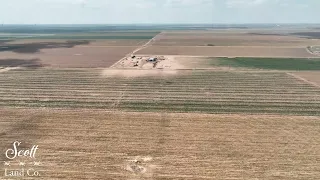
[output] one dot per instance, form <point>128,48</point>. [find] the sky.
<point>158,11</point>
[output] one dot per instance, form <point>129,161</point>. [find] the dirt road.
<point>147,44</point>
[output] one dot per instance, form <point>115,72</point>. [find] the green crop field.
<point>268,63</point>
<point>189,91</point>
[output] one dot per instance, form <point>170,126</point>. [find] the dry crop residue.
<point>95,144</point>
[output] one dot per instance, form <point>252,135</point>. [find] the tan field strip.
<point>105,42</point>
<point>76,57</point>
<point>232,38</point>
<point>311,77</point>
<point>91,144</point>
<point>228,51</point>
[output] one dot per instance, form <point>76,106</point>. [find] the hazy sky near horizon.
<point>158,11</point>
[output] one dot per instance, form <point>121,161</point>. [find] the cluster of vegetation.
<point>269,63</point>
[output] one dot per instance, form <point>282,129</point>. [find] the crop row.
<point>147,107</point>
<point>194,91</point>
<point>161,97</point>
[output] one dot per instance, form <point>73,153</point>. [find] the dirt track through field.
<point>90,144</point>
<point>147,44</point>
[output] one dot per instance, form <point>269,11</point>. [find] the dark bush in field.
<point>20,63</point>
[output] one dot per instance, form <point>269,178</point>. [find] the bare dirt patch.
<point>136,72</point>
<point>313,77</point>
<point>76,57</point>
<point>193,62</point>
<point>142,62</point>
<point>233,38</point>
<point>232,51</point>
<point>314,50</point>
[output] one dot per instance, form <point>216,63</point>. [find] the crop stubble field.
<point>102,145</point>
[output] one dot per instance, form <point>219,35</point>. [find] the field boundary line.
<point>104,46</point>
<point>204,46</point>
<point>171,114</point>
<point>304,80</point>
<point>213,56</point>
<point>136,50</point>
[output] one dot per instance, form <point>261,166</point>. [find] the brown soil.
<point>231,39</point>
<point>136,72</point>
<point>220,51</point>
<point>313,77</point>
<point>194,62</point>
<point>76,57</point>
<point>114,42</point>
<point>90,144</point>
<point>166,62</point>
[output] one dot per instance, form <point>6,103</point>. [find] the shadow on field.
<point>32,63</point>
<point>4,41</point>
<point>36,47</point>
<point>267,34</point>
<point>308,35</point>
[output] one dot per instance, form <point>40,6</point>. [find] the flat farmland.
<point>76,50</point>
<point>248,63</point>
<point>223,104</point>
<point>81,36</point>
<point>232,38</point>
<point>96,42</point>
<point>75,57</point>
<point>313,77</point>
<point>231,51</point>
<point>117,145</point>
<point>214,92</point>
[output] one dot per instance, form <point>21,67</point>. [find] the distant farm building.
<point>152,59</point>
